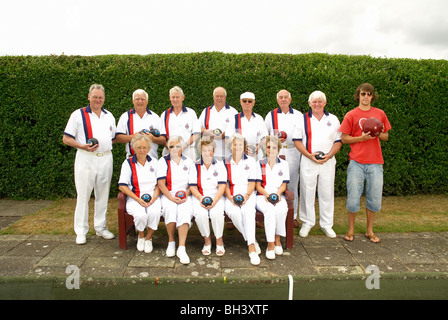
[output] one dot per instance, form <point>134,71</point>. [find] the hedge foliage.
<point>38,94</point>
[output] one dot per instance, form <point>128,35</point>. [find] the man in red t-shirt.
<point>366,159</point>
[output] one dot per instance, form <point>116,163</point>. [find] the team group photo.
<point>217,169</point>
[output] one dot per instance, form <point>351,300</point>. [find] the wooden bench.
<point>126,221</point>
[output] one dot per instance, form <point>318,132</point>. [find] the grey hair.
<point>225,91</point>
<point>140,91</point>
<point>139,137</point>
<point>175,139</point>
<point>289,93</point>
<point>176,89</point>
<point>317,95</point>
<point>96,86</point>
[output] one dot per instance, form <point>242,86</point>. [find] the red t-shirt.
<point>368,151</point>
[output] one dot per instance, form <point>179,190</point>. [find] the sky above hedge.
<point>381,28</point>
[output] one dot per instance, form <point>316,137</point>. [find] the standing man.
<point>250,125</point>
<point>132,122</point>
<point>217,116</point>
<point>284,118</point>
<point>318,131</point>
<point>180,121</point>
<point>366,159</point>
<point>93,162</point>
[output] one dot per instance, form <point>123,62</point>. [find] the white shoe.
<point>329,232</point>
<point>141,244</point>
<point>304,231</point>
<point>182,255</point>
<point>257,248</point>
<point>254,258</point>
<point>81,239</point>
<point>148,246</point>
<point>171,249</point>
<point>206,250</point>
<point>106,234</point>
<point>270,254</point>
<point>278,250</point>
<point>220,249</point>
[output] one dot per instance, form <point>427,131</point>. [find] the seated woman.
<point>272,178</point>
<point>241,178</point>
<point>208,179</point>
<point>177,205</point>
<point>138,178</point>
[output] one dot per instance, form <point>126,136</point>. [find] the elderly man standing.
<point>93,162</point>
<point>218,116</point>
<point>250,125</point>
<point>180,121</point>
<point>281,121</point>
<point>135,120</point>
<point>317,132</point>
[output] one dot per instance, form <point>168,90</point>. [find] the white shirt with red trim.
<point>272,179</point>
<point>176,175</point>
<point>239,174</point>
<point>207,180</point>
<point>140,179</point>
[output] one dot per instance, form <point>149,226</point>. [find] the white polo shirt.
<point>272,179</point>
<point>211,119</point>
<point>253,129</point>
<point>176,175</point>
<point>277,121</point>
<point>140,179</point>
<point>83,122</point>
<point>207,180</point>
<point>239,174</point>
<point>318,135</point>
<point>185,124</point>
<point>130,123</point>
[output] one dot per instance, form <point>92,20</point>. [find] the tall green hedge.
<point>38,94</point>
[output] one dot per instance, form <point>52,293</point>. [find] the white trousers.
<point>144,217</point>
<point>216,215</point>
<point>243,218</point>
<point>292,155</point>
<point>318,177</point>
<point>177,213</point>
<point>92,173</point>
<point>274,217</point>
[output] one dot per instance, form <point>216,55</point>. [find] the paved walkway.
<point>49,255</point>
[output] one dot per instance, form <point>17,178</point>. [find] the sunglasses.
<point>247,101</point>
<point>366,93</point>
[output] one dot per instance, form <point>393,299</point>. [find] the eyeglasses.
<point>366,93</point>
<point>248,101</point>
<point>176,146</point>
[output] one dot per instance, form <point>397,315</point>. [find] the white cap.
<point>247,95</point>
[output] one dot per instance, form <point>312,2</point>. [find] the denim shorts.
<point>372,174</point>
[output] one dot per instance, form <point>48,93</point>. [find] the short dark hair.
<point>367,87</point>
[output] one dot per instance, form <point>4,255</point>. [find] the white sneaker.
<point>257,248</point>
<point>182,255</point>
<point>148,246</point>
<point>329,232</point>
<point>171,249</point>
<point>81,239</point>
<point>106,234</point>
<point>254,258</point>
<point>141,244</point>
<point>270,254</point>
<point>304,231</point>
<point>278,250</point>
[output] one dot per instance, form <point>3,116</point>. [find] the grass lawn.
<point>399,214</point>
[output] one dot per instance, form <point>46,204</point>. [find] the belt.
<point>96,154</point>
<point>288,147</point>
